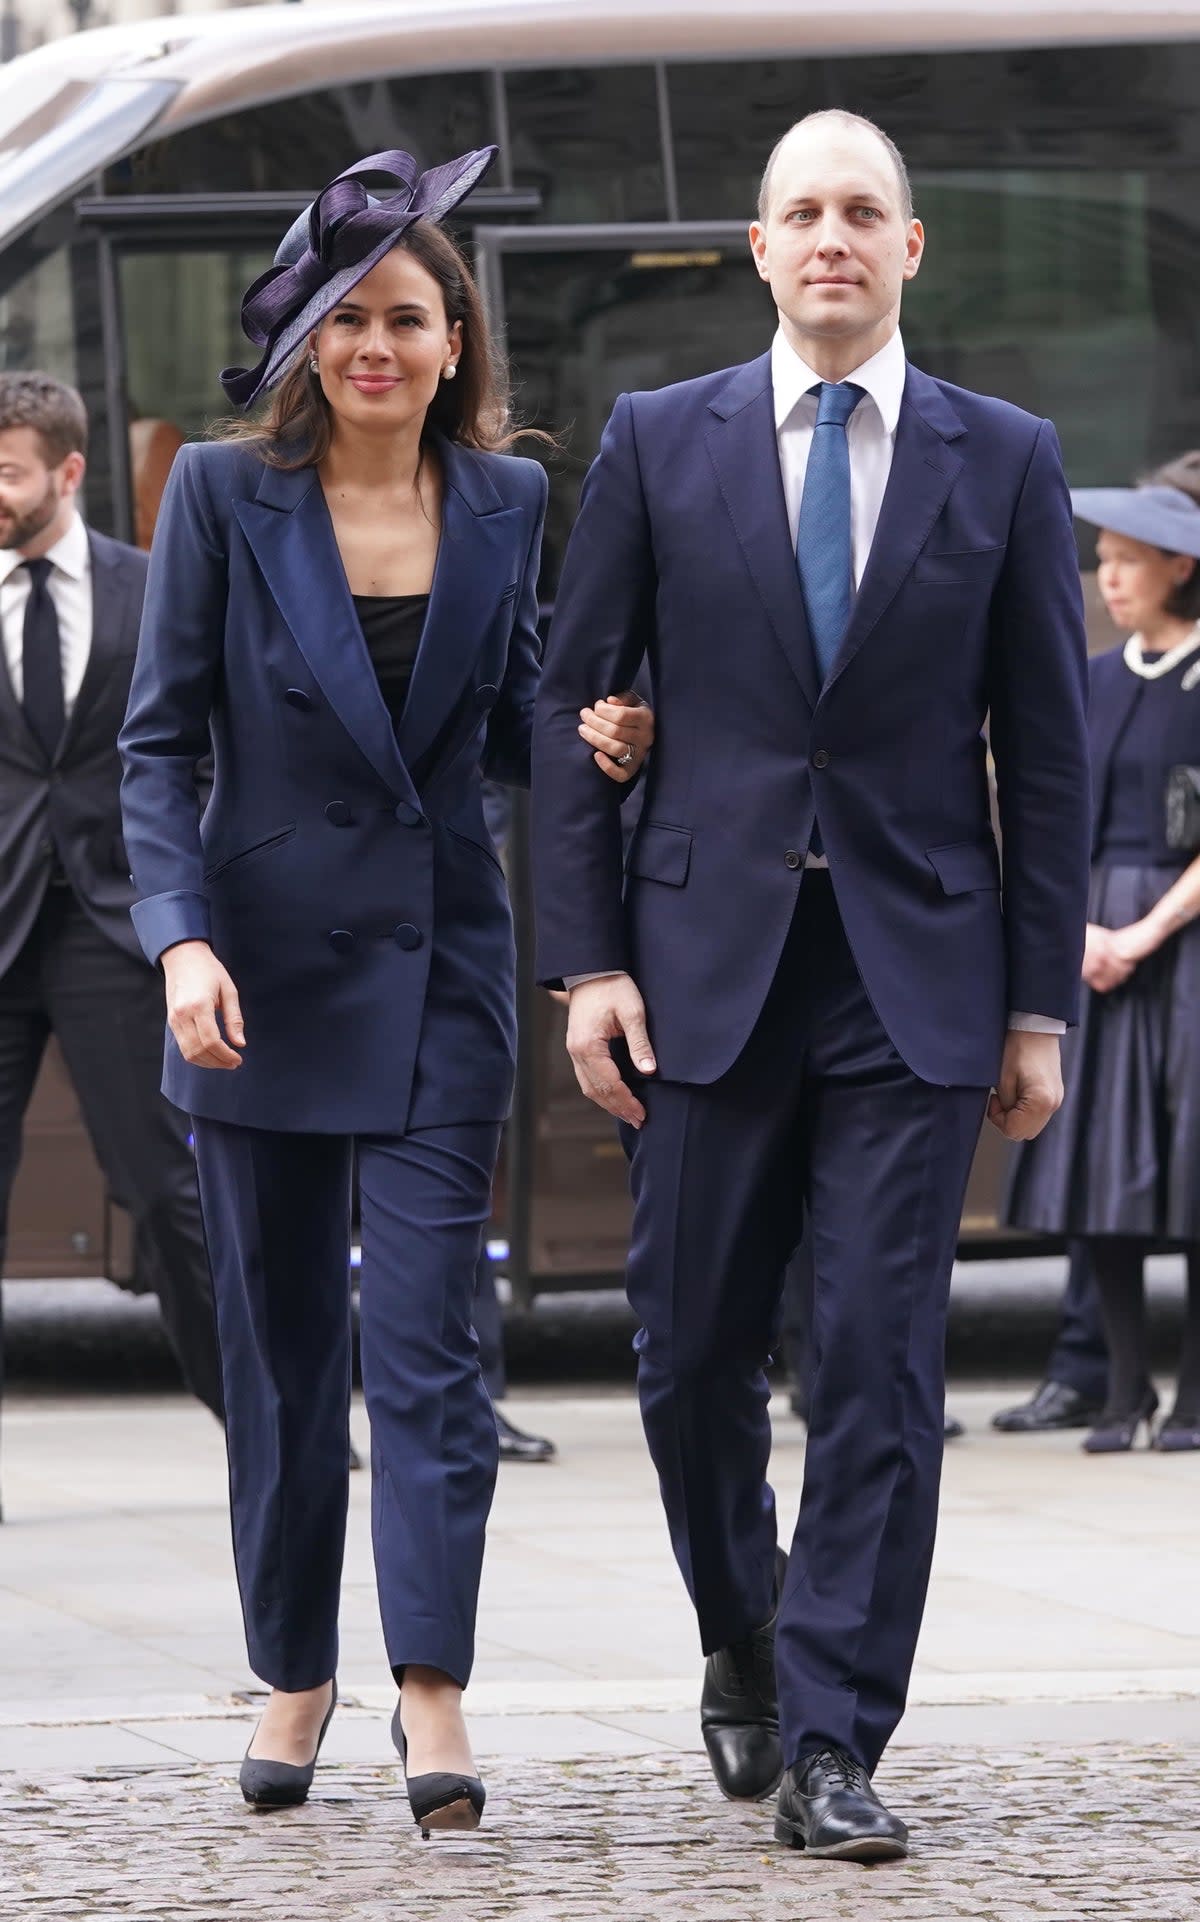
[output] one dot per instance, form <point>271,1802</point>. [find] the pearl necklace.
<point>1164,663</point>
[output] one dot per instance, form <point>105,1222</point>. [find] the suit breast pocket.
<point>965,567</point>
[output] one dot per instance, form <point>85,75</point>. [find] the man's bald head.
<point>838,117</point>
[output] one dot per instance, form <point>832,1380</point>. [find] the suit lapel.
<point>478,556</point>
<point>291,534</point>
<point>744,450</point>
<point>924,469</point>
<point>110,603</point>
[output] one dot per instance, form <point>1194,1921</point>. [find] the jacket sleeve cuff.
<point>163,920</point>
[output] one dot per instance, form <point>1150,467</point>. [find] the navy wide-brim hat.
<point>332,246</point>
<point>1163,517</point>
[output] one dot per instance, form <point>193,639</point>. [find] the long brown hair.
<point>473,409</point>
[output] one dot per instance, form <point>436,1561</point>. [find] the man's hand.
<point>1107,963</point>
<point>623,724</point>
<point>1030,1087</point>
<point>600,1012</point>
<point>198,988</point>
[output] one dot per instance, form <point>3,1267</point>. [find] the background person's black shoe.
<point>1179,1434</point>
<point>952,1428</point>
<point>739,1710</point>
<point>1052,1405</point>
<point>517,1446</point>
<point>828,1807</point>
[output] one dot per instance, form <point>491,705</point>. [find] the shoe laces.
<point>840,1770</point>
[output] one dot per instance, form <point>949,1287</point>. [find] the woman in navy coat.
<point>1119,1168</point>
<point>343,599</point>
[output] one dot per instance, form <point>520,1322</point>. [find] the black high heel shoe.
<point>281,1785</point>
<point>1115,1433</point>
<point>1179,1434</point>
<point>439,1801</point>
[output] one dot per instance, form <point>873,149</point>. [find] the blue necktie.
<point>823,552</point>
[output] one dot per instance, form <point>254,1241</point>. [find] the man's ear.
<point>73,470</point>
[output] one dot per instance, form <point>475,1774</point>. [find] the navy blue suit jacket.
<point>342,870</point>
<point>969,608</point>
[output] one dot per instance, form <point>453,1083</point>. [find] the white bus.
<point>146,172</point>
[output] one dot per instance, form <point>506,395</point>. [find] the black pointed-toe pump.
<point>282,1785</point>
<point>439,1801</point>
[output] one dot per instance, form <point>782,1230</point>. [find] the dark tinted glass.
<point>1074,107</point>
<point>286,146</point>
<point>585,326</point>
<point>588,139</point>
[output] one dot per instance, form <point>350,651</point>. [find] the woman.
<point>1120,1166</point>
<point>343,598</point>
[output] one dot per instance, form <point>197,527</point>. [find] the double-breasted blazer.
<point>342,870</point>
<point>969,611</point>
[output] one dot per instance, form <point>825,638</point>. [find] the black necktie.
<point>41,662</point>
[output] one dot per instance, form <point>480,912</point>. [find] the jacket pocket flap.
<point>965,865</point>
<point>661,854</point>
<point>969,564</point>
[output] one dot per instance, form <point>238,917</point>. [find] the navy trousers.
<point>277,1219</point>
<point>1079,1358</point>
<point>818,1111</point>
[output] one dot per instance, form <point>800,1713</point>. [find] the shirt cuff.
<point>1036,1024</point>
<point>576,980</point>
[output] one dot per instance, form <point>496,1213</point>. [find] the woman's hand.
<point>621,726</point>
<point>198,989</point>
<point>1134,943</point>
<point>1104,966</point>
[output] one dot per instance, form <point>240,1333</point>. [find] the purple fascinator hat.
<point>331,247</point>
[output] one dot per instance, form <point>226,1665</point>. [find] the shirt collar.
<point>882,377</point>
<point>71,554</point>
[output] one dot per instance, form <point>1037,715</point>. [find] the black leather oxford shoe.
<point>1052,1405</point>
<point>739,1710</point>
<point>517,1446</point>
<point>828,1807</point>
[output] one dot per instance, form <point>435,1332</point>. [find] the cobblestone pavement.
<point>1109,1832</point>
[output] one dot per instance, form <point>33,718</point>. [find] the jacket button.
<point>338,814</point>
<point>486,697</point>
<point>793,860</point>
<point>408,817</point>
<point>821,757</point>
<point>341,940</point>
<point>296,697</point>
<point>407,936</point>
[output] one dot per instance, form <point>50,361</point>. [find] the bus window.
<point>588,139</point>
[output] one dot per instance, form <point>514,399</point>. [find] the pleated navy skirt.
<point>1122,1155</point>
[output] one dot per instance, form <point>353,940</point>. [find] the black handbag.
<point>1183,809</point>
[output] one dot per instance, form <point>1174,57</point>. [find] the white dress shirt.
<point>871,435</point>
<point>70,586</point>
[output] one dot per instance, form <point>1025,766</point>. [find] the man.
<point>516,1445</point>
<point>70,963</point>
<point>797,1339</point>
<point>1075,1386</point>
<point>837,568</point>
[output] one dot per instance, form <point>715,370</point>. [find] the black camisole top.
<point>392,625</point>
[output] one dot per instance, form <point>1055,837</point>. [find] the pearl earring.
<point>449,372</point>
<point>313,367</point>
